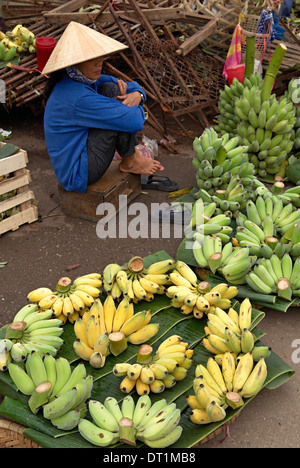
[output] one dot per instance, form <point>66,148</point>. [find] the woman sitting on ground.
<point>90,116</point>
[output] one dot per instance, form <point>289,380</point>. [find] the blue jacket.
<point>71,110</point>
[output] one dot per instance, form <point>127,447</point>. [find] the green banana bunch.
<point>156,425</point>
<point>33,330</point>
<point>266,128</point>
<point>206,220</point>
<point>276,275</point>
<point>269,227</point>
<point>53,387</point>
<point>231,199</point>
<point>292,94</point>
<point>217,159</point>
<point>136,282</point>
<point>232,264</point>
<point>228,119</point>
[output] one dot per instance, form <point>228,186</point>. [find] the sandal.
<point>158,182</point>
<point>175,214</point>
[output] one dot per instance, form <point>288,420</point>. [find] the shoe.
<point>174,214</point>
<point>158,182</point>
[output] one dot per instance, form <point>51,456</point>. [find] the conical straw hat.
<point>79,43</point>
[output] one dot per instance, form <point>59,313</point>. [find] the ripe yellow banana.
<point>89,289</point>
<point>245,314</point>
<point>144,334</point>
<point>127,385</point>
<point>186,272</point>
<point>79,330</point>
<point>57,306</point>
<point>82,350</point>
<point>122,281</point>
<point>96,309</point>
<point>242,372</point>
<point>200,416</point>
<point>216,373</point>
<point>136,322</point>
<point>179,280</point>
<point>86,298</point>
<point>142,388</point>
<point>228,370</point>
<point>149,286</point>
<point>92,331</point>
<point>38,294</point>
<point>120,314</point>
<point>256,380</point>
<point>68,308</point>
<point>109,310</point>
<point>161,267</point>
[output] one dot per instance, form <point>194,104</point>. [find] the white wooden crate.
<point>19,179</point>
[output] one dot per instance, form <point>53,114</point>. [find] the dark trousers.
<point>102,144</point>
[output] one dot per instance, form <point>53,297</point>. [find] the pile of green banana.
<point>155,373</point>
<point>30,330</point>
<point>219,387</point>
<point>69,299</point>
<point>266,128</point>
<point>195,297</point>
<point>156,425</point>
<point>16,42</point>
<point>135,281</point>
<point>269,227</point>
<point>217,159</point>
<point>53,387</point>
<point>206,219</point>
<point>276,275</point>
<point>106,329</point>
<point>292,94</point>
<point>230,262</point>
<point>228,119</point>
<point>230,200</point>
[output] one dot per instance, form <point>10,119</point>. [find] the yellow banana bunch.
<point>194,297</point>
<point>217,387</point>
<point>135,281</point>
<point>105,329</point>
<point>69,299</point>
<point>17,41</point>
<point>155,373</point>
<point>230,331</point>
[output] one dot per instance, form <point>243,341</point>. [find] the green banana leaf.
<point>41,431</point>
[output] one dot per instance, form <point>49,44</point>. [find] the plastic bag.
<point>147,147</point>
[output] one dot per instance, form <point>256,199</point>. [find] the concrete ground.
<point>40,253</point>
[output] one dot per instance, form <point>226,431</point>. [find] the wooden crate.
<point>106,190</point>
<point>19,178</point>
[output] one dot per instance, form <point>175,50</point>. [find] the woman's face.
<point>91,69</point>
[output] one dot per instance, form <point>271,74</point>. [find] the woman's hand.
<point>131,99</point>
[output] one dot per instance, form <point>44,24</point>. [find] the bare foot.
<point>138,164</point>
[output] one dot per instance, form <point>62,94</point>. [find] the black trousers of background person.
<point>102,144</point>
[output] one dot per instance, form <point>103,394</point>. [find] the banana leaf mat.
<point>14,405</point>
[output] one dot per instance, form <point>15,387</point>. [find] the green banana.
<point>95,435</point>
